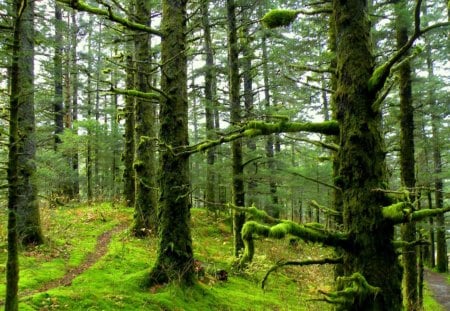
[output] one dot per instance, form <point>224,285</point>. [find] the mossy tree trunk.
<point>23,211</point>
<point>362,162</point>
<point>238,193</point>
<point>407,162</point>
<point>89,162</point>
<point>22,95</point>
<point>211,178</point>
<point>174,260</point>
<point>145,159</point>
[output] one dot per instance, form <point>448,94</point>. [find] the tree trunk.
<point>174,260</point>
<point>362,162</point>
<point>129,150</point>
<point>145,159</point>
<point>211,178</point>
<point>28,219</point>
<point>58,106</point>
<point>23,211</point>
<point>75,184</point>
<point>235,116</point>
<point>407,163</point>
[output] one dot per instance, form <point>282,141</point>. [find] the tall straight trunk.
<point>247,76</point>
<point>211,178</point>
<point>441,243</point>
<point>145,159</point>
<point>174,260</point>
<point>89,163</point>
<point>129,149</point>
<point>272,209</point>
<point>28,219</point>
<point>235,117</point>
<point>23,210</point>
<point>407,163</point>
<point>362,162</point>
<point>58,106</point>
<point>75,185</point>
<point>96,175</point>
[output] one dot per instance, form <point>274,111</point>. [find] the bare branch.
<point>380,74</point>
<point>309,262</point>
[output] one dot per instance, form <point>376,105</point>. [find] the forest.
<point>225,155</point>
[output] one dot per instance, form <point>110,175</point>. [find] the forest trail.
<point>440,288</point>
<point>100,250</point>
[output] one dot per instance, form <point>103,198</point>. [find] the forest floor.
<point>439,286</point>
<point>91,262</point>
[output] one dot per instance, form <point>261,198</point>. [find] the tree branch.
<point>312,179</point>
<point>82,6</point>
<point>309,262</point>
<point>136,93</point>
<point>309,233</point>
<point>402,212</point>
<point>381,73</point>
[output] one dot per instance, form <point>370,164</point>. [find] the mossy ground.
<point>113,283</point>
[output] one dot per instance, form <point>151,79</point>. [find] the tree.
<point>23,210</point>
<point>145,158</point>
<point>22,104</point>
<point>174,260</point>
<point>235,117</point>
<point>408,179</point>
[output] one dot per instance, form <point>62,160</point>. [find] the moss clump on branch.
<point>279,18</point>
<point>397,212</point>
<point>356,288</point>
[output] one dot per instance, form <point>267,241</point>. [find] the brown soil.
<point>100,250</point>
<point>439,287</point>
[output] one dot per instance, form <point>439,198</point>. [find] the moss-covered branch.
<point>258,128</point>
<point>136,93</point>
<point>309,233</point>
<point>382,72</point>
<point>355,287</point>
<point>83,6</point>
<point>402,212</point>
<point>283,263</point>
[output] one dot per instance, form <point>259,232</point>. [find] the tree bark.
<point>58,106</point>
<point>362,162</point>
<point>22,94</point>
<point>238,193</point>
<point>174,260</point>
<point>407,162</point>
<point>211,178</point>
<point>145,207</point>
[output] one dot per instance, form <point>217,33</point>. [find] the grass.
<point>113,283</point>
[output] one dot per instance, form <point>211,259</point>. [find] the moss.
<point>395,211</point>
<point>279,18</point>
<point>377,76</point>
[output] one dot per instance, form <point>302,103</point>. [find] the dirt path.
<point>440,288</point>
<point>100,250</point>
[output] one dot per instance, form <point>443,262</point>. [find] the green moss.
<point>377,76</point>
<point>395,212</point>
<point>279,18</point>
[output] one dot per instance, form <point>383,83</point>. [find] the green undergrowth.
<point>113,282</point>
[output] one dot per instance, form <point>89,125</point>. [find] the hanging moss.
<point>279,18</point>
